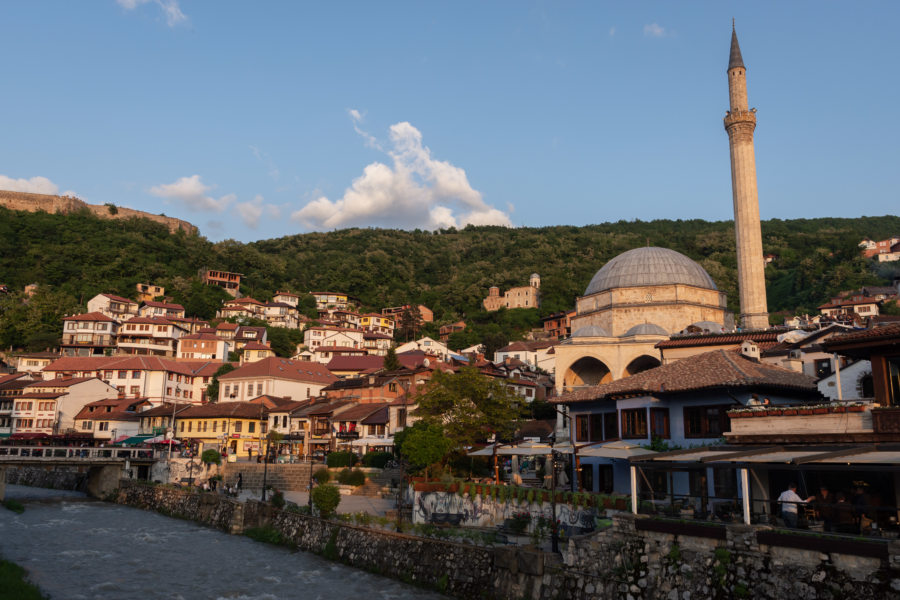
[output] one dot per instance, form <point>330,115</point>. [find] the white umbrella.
<point>617,449</point>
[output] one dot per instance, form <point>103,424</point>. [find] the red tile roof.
<point>69,382</point>
<point>91,316</point>
<point>123,363</point>
<point>203,336</point>
<point>282,368</point>
<point>360,411</point>
<point>243,410</point>
<point>887,333</point>
<point>119,298</point>
<point>719,339</point>
<point>256,346</point>
<point>355,363</point>
<point>164,305</point>
<point>710,370</point>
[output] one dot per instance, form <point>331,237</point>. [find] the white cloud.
<point>35,185</point>
<point>251,212</point>
<point>170,8</point>
<point>417,191</point>
<point>612,31</point>
<point>654,30</point>
<point>357,119</point>
<point>192,192</point>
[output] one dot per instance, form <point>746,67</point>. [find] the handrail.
<point>74,453</point>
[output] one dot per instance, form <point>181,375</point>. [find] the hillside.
<point>79,255</point>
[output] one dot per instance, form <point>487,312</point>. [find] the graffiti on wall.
<point>466,511</point>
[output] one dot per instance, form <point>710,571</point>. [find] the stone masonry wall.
<point>619,562</point>
<point>66,204</point>
<point>57,478</point>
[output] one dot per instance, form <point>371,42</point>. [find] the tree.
<point>212,390</point>
<point>891,308</point>
<point>326,499</point>
<point>424,444</point>
<point>410,323</point>
<point>391,362</point>
<point>470,406</point>
<point>211,456</point>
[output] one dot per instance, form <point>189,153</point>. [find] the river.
<point>79,549</point>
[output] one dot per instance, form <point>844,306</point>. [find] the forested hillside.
<point>79,255</point>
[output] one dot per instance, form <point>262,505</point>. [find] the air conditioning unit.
<point>797,354</point>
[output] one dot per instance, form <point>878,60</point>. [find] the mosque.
<point>643,296</point>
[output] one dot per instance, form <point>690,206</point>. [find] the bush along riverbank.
<point>14,584</point>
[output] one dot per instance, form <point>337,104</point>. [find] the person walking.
<point>240,482</point>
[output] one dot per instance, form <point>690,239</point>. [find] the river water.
<point>76,548</point>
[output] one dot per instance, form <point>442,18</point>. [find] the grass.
<point>13,584</point>
<point>14,505</point>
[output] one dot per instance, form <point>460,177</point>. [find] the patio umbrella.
<point>617,449</point>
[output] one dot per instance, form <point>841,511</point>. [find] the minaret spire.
<point>740,123</point>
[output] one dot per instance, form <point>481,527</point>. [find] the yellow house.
<point>377,323</point>
<point>254,351</point>
<point>238,427</point>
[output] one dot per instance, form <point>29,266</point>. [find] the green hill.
<point>79,255</point>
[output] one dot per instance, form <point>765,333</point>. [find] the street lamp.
<point>554,531</point>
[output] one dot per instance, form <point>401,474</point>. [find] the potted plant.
<point>820,410</point>
<point>838,409</point>
<point>804,411</point>
<point>855,408</point>
<point>774,412</point>
<point>789,412</point>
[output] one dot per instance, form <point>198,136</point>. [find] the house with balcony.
<point>377,323</point>
<point>276,377</point>
<point>239,427</point>
<point>147,292</point>
<point>11,386</point>
<point>255,351</point>
<point>160,419</point>
<point>287,298</point>
<point>161,309</point>
<point>315,420</point>
<point>446,331</point>
<point>281,314</point>
<point>558,326</point>
<point>342,319</point>
<point>426,315</point>
<point>230,282</point>
<point>245,334</point>
<point>90,334</point>
<point>33,362</point>
<point>682,404</point>
<point>157,379</point>
<point>111,418</point>
<point>537,355</point>
<point>377,344</point>
<point>115,307</point>
<point>322,335</point>
<point>427,345</point>
<point>329,301</point>
<point>49,407</point>
<point>354,366</point>
<point>240,309</point>
<point>149,336</point>
<point>363,428</point>
<point>203,346</point>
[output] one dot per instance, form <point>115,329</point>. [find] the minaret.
<point>740,123</point>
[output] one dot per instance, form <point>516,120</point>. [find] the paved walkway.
<point>349,504</point>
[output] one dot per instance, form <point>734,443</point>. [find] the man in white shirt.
<point>789,500</point>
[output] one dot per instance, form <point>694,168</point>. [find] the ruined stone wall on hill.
<point>67,204</point>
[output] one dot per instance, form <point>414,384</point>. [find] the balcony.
<point>347,435</point>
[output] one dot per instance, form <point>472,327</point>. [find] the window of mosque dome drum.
<point>705,421</point>
<point>634,423</point>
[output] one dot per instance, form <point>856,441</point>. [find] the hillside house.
<point>115,307</point>
<point>90,334</point>
<point>276,377</point>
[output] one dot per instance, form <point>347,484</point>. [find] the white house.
<point>428,346</point>
<point>274,376</point>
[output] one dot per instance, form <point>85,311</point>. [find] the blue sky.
<point>257,120</point>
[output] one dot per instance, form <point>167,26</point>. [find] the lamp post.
<point>169,455</point>
<point>554,533</point>
<point>576,484</point>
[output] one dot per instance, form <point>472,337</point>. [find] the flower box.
<point>804,411</point>
<point>820,411</point>
<point>738,415</point>
<point>838,409</point>
<point>760,413</point>
<point>789,412</point>
<point>774,412</point>
<point>856,408</point>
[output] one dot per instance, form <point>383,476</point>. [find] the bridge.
<point>102,466</point>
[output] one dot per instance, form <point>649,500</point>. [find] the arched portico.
<point>586,371</point>
<point>640,364</point>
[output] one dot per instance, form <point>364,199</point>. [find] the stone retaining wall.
<point>55,478</point>
<point>628,561</point>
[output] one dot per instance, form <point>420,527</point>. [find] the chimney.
<point>750,350</point>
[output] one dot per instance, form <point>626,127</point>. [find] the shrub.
<point>376,459</point>
<point>322,475</point>
<point>14,505</point>
<point>326,499</point>
<point>277,499</point>
<point>340,459</point>
<point>355,477</point>
<point>210,457</point>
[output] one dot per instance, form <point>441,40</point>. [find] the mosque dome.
<point>590,331</point>
<point>649,266</point>
<point>646,329</point>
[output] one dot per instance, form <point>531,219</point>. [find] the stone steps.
<point>284,477</point>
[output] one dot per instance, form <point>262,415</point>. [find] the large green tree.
<point>424,444</point>
<point>470,406</point>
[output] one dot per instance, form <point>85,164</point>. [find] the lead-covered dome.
<point>649,266</point>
